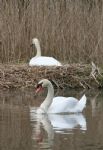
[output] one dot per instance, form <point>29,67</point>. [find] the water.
<point>20,129</point>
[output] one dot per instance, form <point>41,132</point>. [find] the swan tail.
<point>82,103</point>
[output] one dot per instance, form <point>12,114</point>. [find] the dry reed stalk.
<point>69,30</point>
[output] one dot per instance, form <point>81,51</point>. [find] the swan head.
<point>42,84</point>
<point>35,41</point>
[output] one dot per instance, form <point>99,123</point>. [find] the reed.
<point>70,30</point>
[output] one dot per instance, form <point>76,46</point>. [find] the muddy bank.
<point>71,76</point>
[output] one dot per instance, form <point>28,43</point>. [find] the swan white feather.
<point>39,60</point>
<point>70,104</point>
<point>59,104</point>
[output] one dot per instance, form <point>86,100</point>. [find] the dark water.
<point>20,129</point>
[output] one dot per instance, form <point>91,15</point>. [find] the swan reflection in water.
<point>45,125</point>
<point>43,132</point>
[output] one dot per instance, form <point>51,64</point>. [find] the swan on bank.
<point>58,104</point>
<point>39,60</point>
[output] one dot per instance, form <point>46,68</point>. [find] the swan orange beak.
<point>39,88</point>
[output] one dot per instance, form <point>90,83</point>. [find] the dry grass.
<point>70,76</point>
<point>69,30</point>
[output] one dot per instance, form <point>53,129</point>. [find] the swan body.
<point>69,104</point>
<point>44,61</point>
<point>59,104</point>
<point>39,60</point>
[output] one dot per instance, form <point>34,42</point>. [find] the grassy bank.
<point>70,30</point>
<point>70,76</point>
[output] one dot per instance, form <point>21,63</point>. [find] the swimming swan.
<point>39,60</point>
<point>58,104</point>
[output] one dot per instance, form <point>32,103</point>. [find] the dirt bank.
<point>23,76</point>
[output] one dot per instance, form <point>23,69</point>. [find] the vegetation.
<point>67,76</point>
<point>70,30</point>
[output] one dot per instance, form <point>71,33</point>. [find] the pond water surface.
<point>21,129</point>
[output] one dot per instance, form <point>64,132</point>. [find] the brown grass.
<point>69,30</point>
<point>70,76</point>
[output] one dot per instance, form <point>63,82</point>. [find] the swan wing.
<point>62,104</point>
<point>81,104</point>
<point>77,105</point>
<point>44,61</point>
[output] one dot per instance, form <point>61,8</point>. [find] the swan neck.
<point>50,94</point>
<point>37,45</point>
<point>47,102</point>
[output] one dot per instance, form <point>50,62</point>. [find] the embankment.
<point>71,76</point>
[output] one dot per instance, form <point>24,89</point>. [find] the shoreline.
<point>66,76</point>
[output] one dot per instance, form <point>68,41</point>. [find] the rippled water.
<point>20,129</point>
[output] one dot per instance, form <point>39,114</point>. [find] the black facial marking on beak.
<point>39,85</point>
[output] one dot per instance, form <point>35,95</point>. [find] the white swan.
<point>39,60</point>
<point>58,104</point>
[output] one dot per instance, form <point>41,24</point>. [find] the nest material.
<point>23,76</point>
